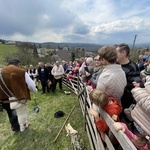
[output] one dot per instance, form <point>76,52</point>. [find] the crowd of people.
<point>47,75</point>
<point>122,79</point>
<point>113,76</point>
<point>112,80</point>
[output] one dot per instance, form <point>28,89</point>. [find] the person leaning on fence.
<point>86,69</point>
<point>15,87</point>
<point>90,69</point>
<point>141,142</point>
<point>96,73</point>
<point>139,114</point>
<point>112,79</point>
<point>110,105</point>
<point>141,111</point>
<point>81,68</point>
<point>69,71</point>
<point>76,67</point>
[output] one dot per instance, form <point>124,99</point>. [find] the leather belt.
<point>8,101</point>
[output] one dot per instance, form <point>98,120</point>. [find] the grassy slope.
<point>44,128</point>
<point>6,50</point>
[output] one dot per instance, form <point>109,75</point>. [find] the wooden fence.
<point>75,85</point>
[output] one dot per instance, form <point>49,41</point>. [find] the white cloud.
<point>74,21</point>
<point>134,24</point>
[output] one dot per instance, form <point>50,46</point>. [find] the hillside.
<point>44,126</point>
<point>85,46</point>
<point>6,50</point>
<point>71,46</point>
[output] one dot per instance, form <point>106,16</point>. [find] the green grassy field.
<point>6,50</point>
<point>44,126</point>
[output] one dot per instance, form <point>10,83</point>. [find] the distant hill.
<point>71,46</point>
<point>85,46</point>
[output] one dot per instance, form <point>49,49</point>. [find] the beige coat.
<point>113,80</point>
<point>141,112</point>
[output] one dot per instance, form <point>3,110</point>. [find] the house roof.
<point>63,54</point>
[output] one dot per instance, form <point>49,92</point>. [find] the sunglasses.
<point>96,60</point>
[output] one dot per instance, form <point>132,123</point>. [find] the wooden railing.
<point>75,85</point>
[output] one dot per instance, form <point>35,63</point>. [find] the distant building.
<point>10,42</point>
<point>66,48</point>
<point>61,55</point>
<point>41,52</point>
<point>89,54</point>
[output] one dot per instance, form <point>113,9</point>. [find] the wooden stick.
<point>64,124</point>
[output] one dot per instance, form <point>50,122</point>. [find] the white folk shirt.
<point>30,84</point>
<point>57,71</point>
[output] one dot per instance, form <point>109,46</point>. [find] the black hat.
<point>36,109</point>
<point>59,114</point>
<point>13,61</point>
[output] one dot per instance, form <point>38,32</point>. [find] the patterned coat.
<point>113,80</point>
<point>141,112</point>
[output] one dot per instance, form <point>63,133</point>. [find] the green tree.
<point>72,56</point>
<point>40,46</point>
<point>3,41</point>
<point>48,46</point>
<point>35,53</point>
<point>83,52</point>
<point>27,53</point>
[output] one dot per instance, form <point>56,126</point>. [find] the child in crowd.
<point>99,98</point>
<point>141,142</point>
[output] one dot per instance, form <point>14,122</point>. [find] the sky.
<point>75,21</point>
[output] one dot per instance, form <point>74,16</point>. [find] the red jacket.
<point>112,109</point>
